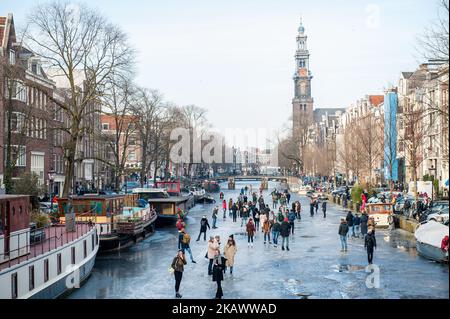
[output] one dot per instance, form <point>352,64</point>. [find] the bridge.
<point>282,179</point>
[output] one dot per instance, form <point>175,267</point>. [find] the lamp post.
<point>51,177</point>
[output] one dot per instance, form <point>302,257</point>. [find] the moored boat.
<point>429,236</point>
<point>381,213</point>
<point>42,263</point>
<point>119,226</point>
<point>168,208</point>
<point>211,186</point>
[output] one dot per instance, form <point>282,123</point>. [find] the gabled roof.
<point>376,99</point>
<point>407,75</point>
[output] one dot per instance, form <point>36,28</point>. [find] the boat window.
<point>73,255</point>
<point>85,248</point>
<point>92,242</point>
<point>46,270</point>
<point>31,277</point>
<point>14,286</point>
<point>58,264</point>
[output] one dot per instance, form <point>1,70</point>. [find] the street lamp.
<point>51,178</point>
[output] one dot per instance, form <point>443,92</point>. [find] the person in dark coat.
<point>324,209</point>
<point>178,266</point>
<point>217,275</point>
<point>364,220</point>
<point>204,224</point>
<point>370,243</point>
<point>343,231</point>
<point>349,220</point>
<point>357,224</point>
<point>285,230</point>
<point>311,207</point>
<point>234,210</point>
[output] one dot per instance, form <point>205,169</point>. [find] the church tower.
<point>302,102</point>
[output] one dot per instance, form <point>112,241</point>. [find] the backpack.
<point>186,238</point>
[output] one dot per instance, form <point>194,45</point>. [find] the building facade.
<point>26,112</point>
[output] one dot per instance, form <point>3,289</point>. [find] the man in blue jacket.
<point>291,218</point>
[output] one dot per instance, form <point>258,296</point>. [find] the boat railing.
<point>34,242</point>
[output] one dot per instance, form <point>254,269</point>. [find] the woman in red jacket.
<point>224,207</point>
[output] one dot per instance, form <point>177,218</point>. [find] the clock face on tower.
<point>302,72</point>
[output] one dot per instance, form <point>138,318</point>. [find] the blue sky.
<point>236,58</point>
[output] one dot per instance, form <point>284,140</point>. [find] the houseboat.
<point>380,212</point>
<point>168,208</point>
<point>42,263</point>
<point>172,188</point>
<point>121,220</point>
<point>211,186</point>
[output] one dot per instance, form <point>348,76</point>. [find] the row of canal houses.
<point>49,262</point>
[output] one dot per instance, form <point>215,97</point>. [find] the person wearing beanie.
<point>285,230</point>
<point>204,224</point>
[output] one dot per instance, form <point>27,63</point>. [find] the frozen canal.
<point>314,266</point>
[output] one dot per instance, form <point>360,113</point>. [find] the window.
<point>16,90</point>
<point>131,141</point>
<point>93,242</point>
<point>85,248</point>
<point>14,293</point>
<point>73,255</point>
<point>21,158</point>
<point>105,126</point>
<point>12,57</point>
<point>31,277</point>
<point>132,156</point>
<point>58,264</point>
<point>17,122</point>
<point>46,272</point>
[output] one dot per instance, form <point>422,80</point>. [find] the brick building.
<point>26,113</point>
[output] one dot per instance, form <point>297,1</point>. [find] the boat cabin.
<point>99,207</point>
<point>379,208</point>
<point>14,226</point>
<point>168,207</point>
<point>173,188</point>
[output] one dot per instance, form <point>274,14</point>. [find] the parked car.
<point>339,191</point>
<point>129,186</point>
<point>46,207</point>
<point>443,212</point>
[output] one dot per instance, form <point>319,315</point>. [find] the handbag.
<point>171,270</point>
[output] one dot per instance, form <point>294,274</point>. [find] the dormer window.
<point>12,57</point>
<point>34,67</point>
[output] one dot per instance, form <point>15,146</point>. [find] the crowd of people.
<point>250,212</point>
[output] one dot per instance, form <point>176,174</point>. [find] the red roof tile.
<point>376,99</point>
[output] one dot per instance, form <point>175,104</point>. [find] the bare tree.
<point>148,110</point>
<point>412,140</point>
<point>369,134</point>
<point>434,42</point>
<point>116,102</point>
<point>83,49</point>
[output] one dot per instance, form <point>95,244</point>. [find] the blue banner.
<point>390,137</point>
